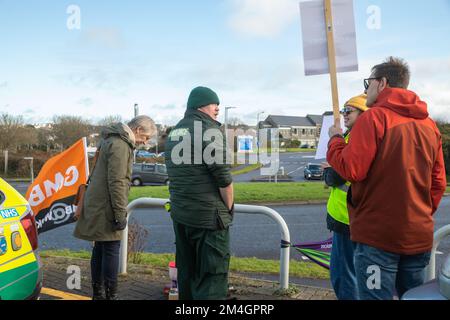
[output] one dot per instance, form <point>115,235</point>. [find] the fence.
<point>146,203</point>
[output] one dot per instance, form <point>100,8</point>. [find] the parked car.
<point>149,173</point>
<point>145,154</point>
<point>20,264</point>
<point>313,171</point>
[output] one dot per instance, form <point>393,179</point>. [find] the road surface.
<point>292,163</point>
<point>251,235</point>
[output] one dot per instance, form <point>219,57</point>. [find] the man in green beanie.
<point>201,194</point>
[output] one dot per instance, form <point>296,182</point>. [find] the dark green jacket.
<point>194,185</point>
<point>106,198</point>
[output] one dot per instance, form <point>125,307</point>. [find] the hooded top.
<point>395,163</point>
<point>106,198</point>
<point>121,130</point>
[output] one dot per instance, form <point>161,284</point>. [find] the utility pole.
<point>226,126</point>
<point>136,110</point>
<point>257,134</point>
<point>156,140</point>
<point>31,168</point>
<point>5,152</point>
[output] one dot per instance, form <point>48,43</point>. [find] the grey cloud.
<point>166,107</point>
<point>101,79</point>
<point>106,37</point>
<point>87,102</point>
<point>30,111</point>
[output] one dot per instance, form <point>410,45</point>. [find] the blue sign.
<point>9,213</point>
<point>245,143</point>
<point>3,245</point>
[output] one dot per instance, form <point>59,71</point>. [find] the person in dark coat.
<point>201,194</point>
<point>104,214</point>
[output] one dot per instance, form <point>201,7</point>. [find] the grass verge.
<point>253,192</point>
<point>301,269</point>
<point>298,150</point>
<point>247,169</point>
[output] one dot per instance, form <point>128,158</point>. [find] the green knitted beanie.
<point>202,96</point>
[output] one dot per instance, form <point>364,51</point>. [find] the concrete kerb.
<point>249,209</point>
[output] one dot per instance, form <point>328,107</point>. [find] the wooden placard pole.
<point>332,61</point>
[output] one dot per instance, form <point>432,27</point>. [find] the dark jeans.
<point>380,273</point>
<point>342,267</point>
<point>105,262</point>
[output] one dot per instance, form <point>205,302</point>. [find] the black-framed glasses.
<point>367,83</point>
<point>346,111</point>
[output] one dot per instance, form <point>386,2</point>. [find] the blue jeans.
<point>380,273</point>
<point>105,262</point>
<point>342,268</point>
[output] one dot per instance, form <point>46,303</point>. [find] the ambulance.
<point>20,265</point>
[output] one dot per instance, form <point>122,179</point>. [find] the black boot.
<point>111,291</point>
<point>97,291</point>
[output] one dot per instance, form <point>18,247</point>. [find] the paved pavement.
<point>148,283</point>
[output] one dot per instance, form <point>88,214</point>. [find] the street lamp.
<point>156,139</point>
<point>31,168</point>
<point>257,134</point>
<point>226,126</point>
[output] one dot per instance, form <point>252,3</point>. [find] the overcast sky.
<point>154,52</point>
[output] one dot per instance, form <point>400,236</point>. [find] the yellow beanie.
<point>358,102</point>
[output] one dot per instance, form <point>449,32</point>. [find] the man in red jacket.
<point>396,165</point>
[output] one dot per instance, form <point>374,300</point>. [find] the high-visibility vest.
<point>337,203</point>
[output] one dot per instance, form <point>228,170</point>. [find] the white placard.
<point>315,49</point>
<point>322,148</point>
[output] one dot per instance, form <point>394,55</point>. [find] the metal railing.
<point>146,203</point>
<point>439,235</point>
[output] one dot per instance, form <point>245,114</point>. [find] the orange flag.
<point>52,194</point>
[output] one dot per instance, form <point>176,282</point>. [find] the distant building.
<point>306,130</point>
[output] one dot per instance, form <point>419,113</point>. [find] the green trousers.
<point>202,259</point>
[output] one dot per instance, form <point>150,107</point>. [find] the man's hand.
<point>227,195</point>
<point>120,225</point>
<point>325,165</point>
<point>334,131</point>
<point>231,211</point>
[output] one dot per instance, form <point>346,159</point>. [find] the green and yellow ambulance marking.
<point>19,265</point>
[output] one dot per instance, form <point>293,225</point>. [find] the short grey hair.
<point>145,123</point>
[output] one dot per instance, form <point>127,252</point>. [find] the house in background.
<point>306,130</point>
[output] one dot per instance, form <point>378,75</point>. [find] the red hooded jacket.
<point>396,165</point>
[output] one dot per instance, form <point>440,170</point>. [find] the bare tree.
<point>46,138</point>
<point>235,123</point>
<point>109,120</point>
<point>68,129</point>
<point>10,131</point>
<point>28,137</point>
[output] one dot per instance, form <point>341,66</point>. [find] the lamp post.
<point>156,140</point>
<point>226,126</point>
<point>31,167</point>
<point>257,134</point>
